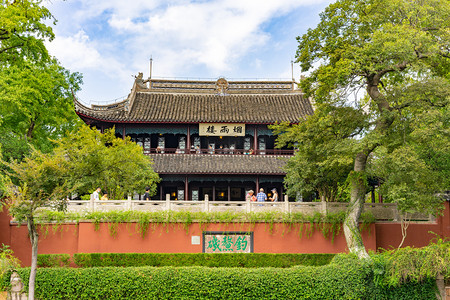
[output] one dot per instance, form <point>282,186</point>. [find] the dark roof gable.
<point>235,104</point>
<point>218,164</point>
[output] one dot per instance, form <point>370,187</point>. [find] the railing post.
<point>129,204</point>
<point>167,201</point>
<point>91,203</point>
<point>323,208</point>
<point>248,205</point>
<point>286,204</point>
<point>206,208</point>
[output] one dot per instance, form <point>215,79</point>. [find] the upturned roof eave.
<point>217,173</point>
<point>173,122</point>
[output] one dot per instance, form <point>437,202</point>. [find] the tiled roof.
<point>192,108</point>
<point>218,164</point>
<point>175,101</point>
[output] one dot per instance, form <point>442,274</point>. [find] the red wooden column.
<point>188,140</point>
<point>186,189</point>
<point>255,140</point>
<point>257,184</point>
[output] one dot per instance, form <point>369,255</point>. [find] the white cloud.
<point>79,52</point>
<point>118,36</point>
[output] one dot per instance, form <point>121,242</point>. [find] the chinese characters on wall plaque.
<point>227,242</point>
<point>221,129</point>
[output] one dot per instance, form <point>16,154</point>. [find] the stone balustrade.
<point>381,211</point>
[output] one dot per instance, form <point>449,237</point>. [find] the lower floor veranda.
<point>215,188</point>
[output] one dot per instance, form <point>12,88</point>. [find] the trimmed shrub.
<point>244,260</point>
<point>325,282</point>
<point>344,278</point>
<point>53,260</point>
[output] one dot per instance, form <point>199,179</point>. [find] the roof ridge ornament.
<point>221,86</point>
<point>140,82</point>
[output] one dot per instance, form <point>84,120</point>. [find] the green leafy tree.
<point>388,54</point>
<point>81,161</point>
<point>324,152</point>
<point>42,182</point>
<point>116,165</point>
<point>36,104</point>
<point>23,31</point>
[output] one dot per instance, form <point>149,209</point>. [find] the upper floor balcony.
<point>219,151</point>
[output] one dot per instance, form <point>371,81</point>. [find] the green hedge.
<point>53,260</point>
<point>245,260</point>
<point>345,278</point>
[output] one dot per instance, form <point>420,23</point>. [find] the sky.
<point>110,41</point>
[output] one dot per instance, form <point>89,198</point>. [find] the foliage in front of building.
<point>232,260</point>
<point>345,277</point>
<point>54,260</point>
<point>395,267</point>
<point>8,262</point>
<point>329,224</point>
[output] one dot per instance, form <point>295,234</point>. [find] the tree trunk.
<point>32,231</point>
<point>351,224</point>
<point>358,186</point>
<point>30,129</point>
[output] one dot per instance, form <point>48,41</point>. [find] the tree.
<point>116,165</point>
<point>23,31</point>
<point>384,52</point>
<point>322,160</point>
<point>36,104</point>
<point>81,161</point>
<point>42,180</point>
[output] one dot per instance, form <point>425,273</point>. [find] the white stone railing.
<point>381,211</point>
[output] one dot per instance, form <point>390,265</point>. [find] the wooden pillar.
<point>214,193</point>
<point>257,184</point>
<point>373,194</point>
<point>186,189</point>
<point>188,140</point>
<point>160,192</point>
<point>380,198</point>
<point>229,192</point>
<point>255,140</point>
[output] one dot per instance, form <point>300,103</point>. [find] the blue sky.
<point>110,41</point>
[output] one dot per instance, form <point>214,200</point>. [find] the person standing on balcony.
<point>275,195</point>
<point>261,196</point>
<point>250,196</point>
<point>95,195</point>
<point>147,194</point>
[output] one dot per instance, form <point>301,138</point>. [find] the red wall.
<point>71,239</point>
<point>173,238</point>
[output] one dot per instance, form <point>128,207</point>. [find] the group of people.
<point>96,195</point>
<point>261,196</point>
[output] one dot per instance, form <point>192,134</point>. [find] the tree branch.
<point>8,48</point>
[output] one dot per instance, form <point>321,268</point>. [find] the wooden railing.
<point>381,211</point>
<point>218,151</point>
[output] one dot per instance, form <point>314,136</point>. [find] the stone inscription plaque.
<point>227,242</point>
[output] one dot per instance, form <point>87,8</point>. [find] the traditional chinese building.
<point>206,137</point>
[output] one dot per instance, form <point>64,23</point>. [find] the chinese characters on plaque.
<point>227,242</point>
<point>221,129</point>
